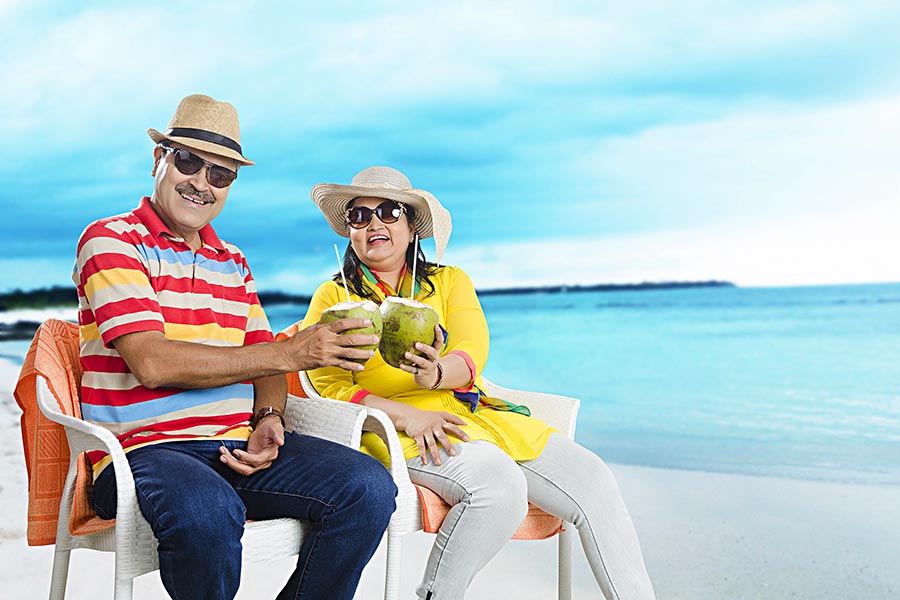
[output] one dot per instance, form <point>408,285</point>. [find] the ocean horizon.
<point>779,382</point>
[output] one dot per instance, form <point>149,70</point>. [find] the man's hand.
<point>262,447</point>
<point>327,346</point>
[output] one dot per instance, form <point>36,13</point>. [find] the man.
<point>180,364</point>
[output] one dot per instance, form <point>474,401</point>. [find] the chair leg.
<point>60,574</point>
<point>565,562</point>
<point>392,573</point>
<point>124,589</point>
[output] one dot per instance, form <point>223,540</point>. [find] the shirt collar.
<point>156,227</point>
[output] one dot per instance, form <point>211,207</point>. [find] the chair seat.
<point>538,525</point>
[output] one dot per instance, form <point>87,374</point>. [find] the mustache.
<point>187,188</point>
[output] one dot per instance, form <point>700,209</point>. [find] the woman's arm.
<point>433,371</point>
<point>457,365</point>
<point>427,427</point>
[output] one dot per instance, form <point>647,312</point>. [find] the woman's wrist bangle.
<point>440,377</point>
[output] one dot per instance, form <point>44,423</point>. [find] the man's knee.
<point>206,521</point>
<point>371,491</point>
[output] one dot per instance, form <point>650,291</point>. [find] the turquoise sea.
<point>784,382</point>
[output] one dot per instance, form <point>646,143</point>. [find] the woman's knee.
<point>498,483</point>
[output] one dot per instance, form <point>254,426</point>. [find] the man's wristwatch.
<point>263,413</point>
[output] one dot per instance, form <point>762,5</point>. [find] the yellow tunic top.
<point>459,311</point>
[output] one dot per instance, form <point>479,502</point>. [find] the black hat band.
<point>205,136</point>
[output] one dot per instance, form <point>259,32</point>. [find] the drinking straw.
<point>412,291</point>
<point>341,269</point>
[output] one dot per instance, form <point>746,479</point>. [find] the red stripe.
<point>258,336</point>
<point>85,315</point>
<point>104,397</point>
<point>358,396</point>
<point>472,370</point>
<point>111,260</point>
<point>185,285</point>
<point>227,421</point>
<point>136,327</point>
<point>125,306</point>
<point>101,363</point>
<point>203,316</point>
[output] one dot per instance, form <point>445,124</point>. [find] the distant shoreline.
<point>606,287</point>
<point>65,296</point>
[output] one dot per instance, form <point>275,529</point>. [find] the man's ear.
<point>157,155</point>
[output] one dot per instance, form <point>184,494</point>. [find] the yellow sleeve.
<point>467,329</point>
<point>330,382</point>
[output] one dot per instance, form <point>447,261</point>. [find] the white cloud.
<point>857,249</point>
<point>785,163</point>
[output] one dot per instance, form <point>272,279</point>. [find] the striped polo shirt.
<point>133,274</point>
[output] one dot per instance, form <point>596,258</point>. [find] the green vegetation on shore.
<point>66,296</point>
<point>57,295</point>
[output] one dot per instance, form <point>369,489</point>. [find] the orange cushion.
<point>538,525</point>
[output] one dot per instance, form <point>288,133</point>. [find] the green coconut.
<point>405,322</point>
<point>351,310</point>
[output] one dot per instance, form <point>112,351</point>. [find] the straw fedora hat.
<point>202,123</point>
<point>432,219</point>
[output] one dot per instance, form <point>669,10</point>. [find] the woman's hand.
<point>428,428</point>
<point>424,368</point>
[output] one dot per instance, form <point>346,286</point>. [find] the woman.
<point>485,457</point>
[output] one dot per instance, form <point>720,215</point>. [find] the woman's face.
<point>380,246</point>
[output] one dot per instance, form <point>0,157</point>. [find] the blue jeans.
<point>197,506</point>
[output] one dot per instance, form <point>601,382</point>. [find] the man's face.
<point>187,203</point>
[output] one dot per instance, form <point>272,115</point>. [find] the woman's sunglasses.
<point>387,212</point>
<point>189,163</point>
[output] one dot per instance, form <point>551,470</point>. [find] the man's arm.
<point>160,362</point>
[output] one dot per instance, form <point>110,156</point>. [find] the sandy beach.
<point>705,536</point>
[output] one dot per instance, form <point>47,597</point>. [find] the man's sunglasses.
<point>189,163</point>
<point>387,212</point>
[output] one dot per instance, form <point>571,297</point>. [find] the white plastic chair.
<point>131,537</point>
<point>560,412</point>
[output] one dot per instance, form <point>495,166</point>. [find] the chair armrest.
<point>408,514</point>
<point>560,412</point>
<point>407,517</point>
<point>333,420</point>
<point>381,425</point>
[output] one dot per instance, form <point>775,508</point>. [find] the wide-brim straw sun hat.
<point>203,123</point>
<point>432,219</point>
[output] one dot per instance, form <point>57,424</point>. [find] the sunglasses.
<point>387,212</point>
<point>189,163</point>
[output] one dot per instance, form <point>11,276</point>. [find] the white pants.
<point>489,494</point>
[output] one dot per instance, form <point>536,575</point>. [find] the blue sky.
<point>573,142</point>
